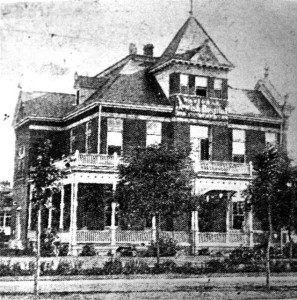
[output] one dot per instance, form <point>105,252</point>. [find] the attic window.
<point>218,83</point>
<point>201,86</point>
<point>184,84</point>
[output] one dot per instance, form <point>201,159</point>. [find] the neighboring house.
<point>5,207</point>
<point>181,97</point>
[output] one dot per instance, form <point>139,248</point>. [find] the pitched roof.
<point>44,104</point>
<point>132,84</point>
<point>249,103</point>
<point>192,43</point>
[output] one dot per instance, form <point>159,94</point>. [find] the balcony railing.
<point>112,161</point>
<point>232,168</point>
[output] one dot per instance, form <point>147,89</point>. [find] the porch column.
<point>195,231</point>
<point>30,208</point>
<point>250,228</point>
<point>18,224</point>
<point>61,220</point>
<point>73,218</point>
<point>229,203</point>
<point>113,226</point>
<point>50,214</point>
<point>154,230</point>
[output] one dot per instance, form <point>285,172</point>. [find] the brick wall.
<point>255,144</point>
<point>221,143</point>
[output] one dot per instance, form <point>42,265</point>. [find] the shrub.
<point>214,266</point>
<point>88,250</point>
<point>168,247</point>
<point>49,243</point>
<point>167,266</point>
<point>64,250</point>
<point>112,267</point>
<point>136,267</point>
<point>204,251</point>
<point>286,250</point>
<point>64,268</point>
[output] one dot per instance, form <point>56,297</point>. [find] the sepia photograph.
<point>149,149</point>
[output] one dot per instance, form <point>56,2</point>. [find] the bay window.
<point>201,86</point>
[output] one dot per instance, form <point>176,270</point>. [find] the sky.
<point>42,45</point>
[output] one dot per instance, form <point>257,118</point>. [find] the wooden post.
<point>73,219</point>
<point>154,228</point>
<point>37,263</point>
<point>250,228</point>
<point>61,221</point>
<point>195,231</point>
<point>99,129</point>
<point>228,221</point>
<point>30,209</point>
<point>50,214</point>
<point>113,225</point>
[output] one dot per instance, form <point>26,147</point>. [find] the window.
<point>238,146</point>
<point>153,132</point>
<point>8,220</point>
<point>238,215</point>
<point>200,142</point>
<point>218,88</point>
<point>1,219</point>
<point>184,84</point>
<point>270,138</point>
<point>201,86</point>
<point>21,158</point>
<point>88,136</point>
<point>114,136</point>
<point>72,141</point>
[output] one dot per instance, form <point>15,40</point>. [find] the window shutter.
<point>210,87</point>
<point>255,144</point>
<point>103,136</point>
<point>225,89</point>
<point>221,143</point>
<point>174,83</point>
<point>192,84</point>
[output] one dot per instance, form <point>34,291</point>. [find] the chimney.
<point>148,50</point>
<point>132,49</point>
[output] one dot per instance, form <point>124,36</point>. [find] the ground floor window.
<point>238,215</point>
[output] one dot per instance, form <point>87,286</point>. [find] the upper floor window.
<point>88,137</point>
<point>72,141</point>
<point>200,142</point>
<point>153,132</point>
<point>238,145</point>
<point>270,138</point>
<point>184,84</point>
<point>114,136</point>
<point>201,86</point>
<point>218,83</point>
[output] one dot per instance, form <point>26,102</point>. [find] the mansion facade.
<point>181,97</point>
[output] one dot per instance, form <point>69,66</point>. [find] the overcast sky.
<point>43,44</point>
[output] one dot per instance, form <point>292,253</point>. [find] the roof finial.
<point>191,8</point>
<point>266,71</point>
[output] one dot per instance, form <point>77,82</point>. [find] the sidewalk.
<point>156,283</point>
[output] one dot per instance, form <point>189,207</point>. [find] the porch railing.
<point>93,236</point>
<point>179,236</point>
<point>224,167</point>
<point>129,236</point>
<point>211,237</point>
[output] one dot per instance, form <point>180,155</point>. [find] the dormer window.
<point>184,84</point>
<point>218,83</point>
<point>201,86</point>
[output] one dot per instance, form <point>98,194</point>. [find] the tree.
<point>156,181</point>
<point>266,192</point>
<point>44,177</point>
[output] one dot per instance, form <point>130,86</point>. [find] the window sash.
<point>152,139</point>
<point>270,137</point>
<point>114,125</point>
<point>114,139</point>
<point>200,81</point>
<point>153,127</point>
<point>238,148</point>
<point>218,84</point>
<point>238,135</point>
<point>198,132</point>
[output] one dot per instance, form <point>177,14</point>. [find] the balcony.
<point>84,160</point>
<point>223,167</point>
